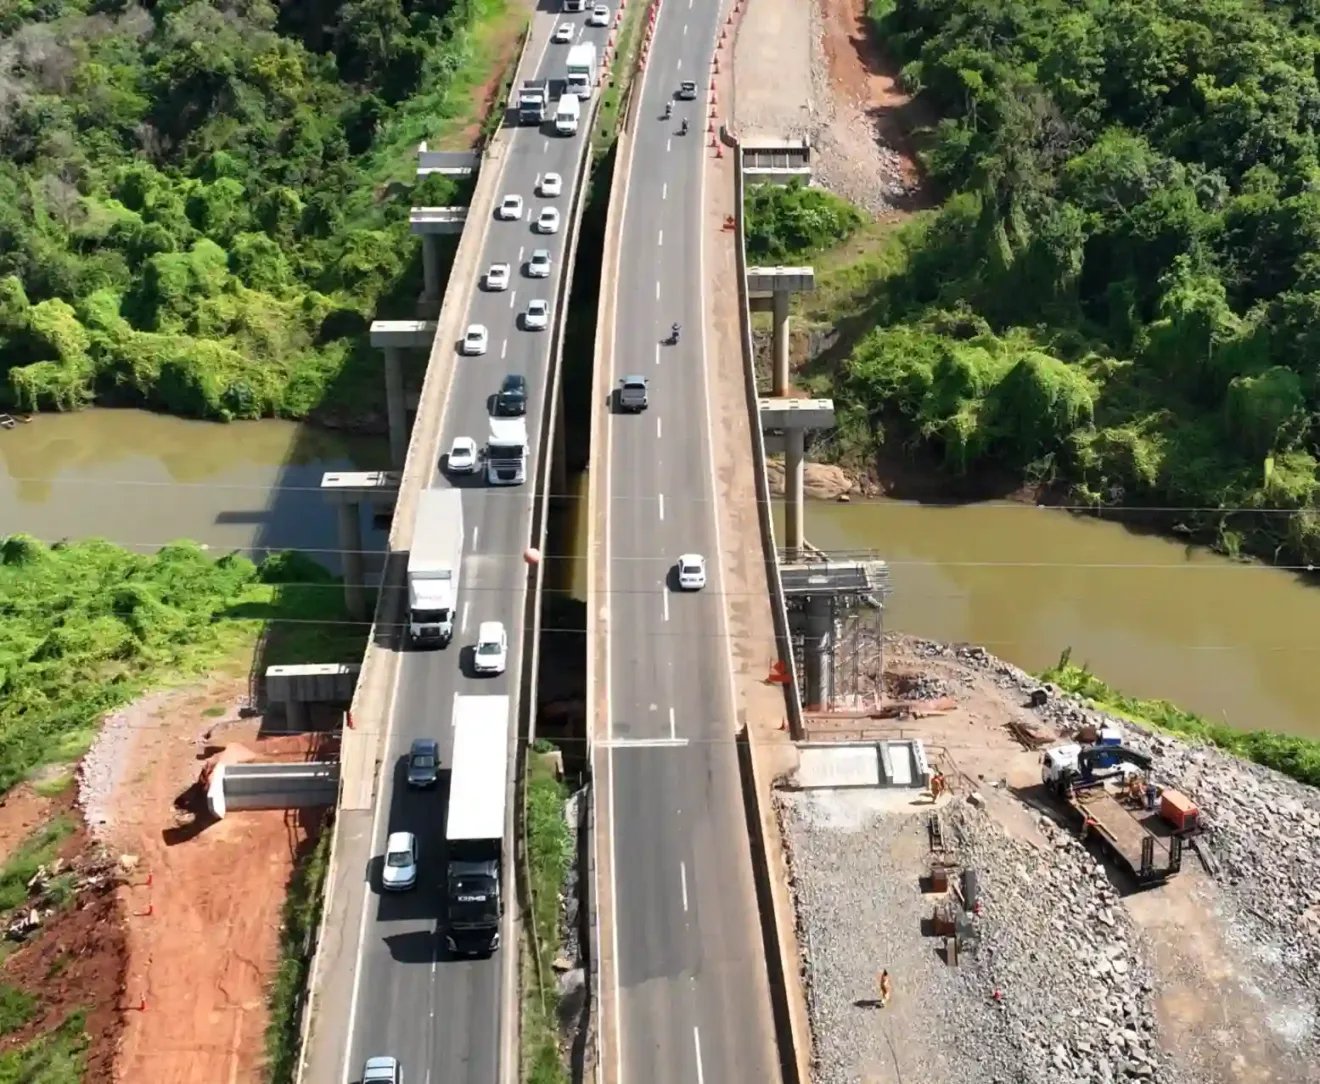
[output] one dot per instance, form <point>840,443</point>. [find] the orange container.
<point>1179,810</point>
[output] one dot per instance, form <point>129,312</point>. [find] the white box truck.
<point>506,452</point>
<point>474,825</point>
<point>566,115</point>
<point>582,69</point>
<point>434,561</point>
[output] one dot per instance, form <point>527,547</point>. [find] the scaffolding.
<point>836,622</point>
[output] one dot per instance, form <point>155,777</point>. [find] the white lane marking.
<point>684,34</point>
<point>644,743</point>
<point>463,626</point>
<point>659,429</point>
<point>513,298</point>
<point>696,1043</point>
<point>476,533</point>
<point>453,712</point>
<point>504,348</point>
<point>536,184</point>
<point>682,876</point>
<point>662,507</point>
<point>669,144</point>
<point>673,732</point>
<point>660,241</point>
<point>657,289</point>
<point>664,599</point>
<point>680,66</point>
<point>546,148</point>
<point>664,190</point>
<point>657,353</point>
<point>521,250</point>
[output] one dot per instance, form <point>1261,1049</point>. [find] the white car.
<point>600,16</point>
<point>399,870</point>
<point>691,572</point>
<point>537,317</point>
<point>548,220</point>
<point>552,185</point>
<point>497,277</point>
<point>563,34</point>
<point>511,207</point>
<point>539,265</point>
<point>475,339</point>
<point>492,650</point>
<point>462,456</point>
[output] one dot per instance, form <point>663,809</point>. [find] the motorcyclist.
<point>669,110</point>
<point>684,127</point>
<point>674,332</point>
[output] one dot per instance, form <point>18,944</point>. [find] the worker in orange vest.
<point>886,988</point>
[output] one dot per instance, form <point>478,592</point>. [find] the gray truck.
<point>632,394</point>
<point>533,100</point>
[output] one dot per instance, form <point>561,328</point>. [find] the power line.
<point>512,493</point>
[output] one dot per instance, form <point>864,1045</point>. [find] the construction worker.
<point>936,786</point>
<point>886,989</point>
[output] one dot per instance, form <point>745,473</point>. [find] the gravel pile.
<point>1266,840</point>
<point>1074,997</point>
<point>102,768</point>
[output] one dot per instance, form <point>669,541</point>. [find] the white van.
<point>566,115</point>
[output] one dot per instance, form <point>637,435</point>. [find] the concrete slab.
<point>403,334</point>
<point>769,280</point>
<point>797,413</point>
<point>426,220</point>
<point>354,487</point>
<point>842,764</point>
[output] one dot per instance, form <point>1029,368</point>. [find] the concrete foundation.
<point>430,223</point>
<point>296,687</point>
<point>900,763</point>
<point>392,337</point>
<point>236,787</point>
<point>793,417</point>
<point>779,385</point>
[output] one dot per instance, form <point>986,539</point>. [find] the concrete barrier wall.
<point>778,605</point>
<point>236,787</point>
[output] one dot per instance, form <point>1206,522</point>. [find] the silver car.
<point>399,871</point>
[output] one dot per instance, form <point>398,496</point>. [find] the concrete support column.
<point>794,478</point>
<point>350,541</point>
<point>295,714</point>
<point>818,653</point>
<point>430,267</point>
<point>559,456</point>
<point>780,385</point>
<point>396,406</point>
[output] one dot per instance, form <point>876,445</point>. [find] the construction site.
<point>1054,894</point>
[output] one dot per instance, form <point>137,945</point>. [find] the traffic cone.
<point>719,151</point>
<point>717,68</point>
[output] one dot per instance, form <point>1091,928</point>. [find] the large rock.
<point>822,481</point>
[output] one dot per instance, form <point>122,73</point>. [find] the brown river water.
<point>1150,616</point>
<point>142,480</point>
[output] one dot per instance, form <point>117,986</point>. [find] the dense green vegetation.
<point>86,626</point>
<point>58,1057</point>
<point>300,925</point>
<point>17,1007</point>
<point>1121,297</point>
<point>1298,758</point>
<point>203,204</point>
<point>789,221</point>
<point>549,849</point>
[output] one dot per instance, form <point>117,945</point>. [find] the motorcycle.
<point>673,335</point>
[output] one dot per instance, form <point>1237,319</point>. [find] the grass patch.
<point>615,93</point>
<point>17,1007</point>
<point>1298,758</point>
<point>37,850</point>
<point>54,786</point>
<point>301,919</point>
<point>58,1057</point>
<point>85,627</point>
<point>789,222</point>
<point>549,850</point>
<point>499,105</point>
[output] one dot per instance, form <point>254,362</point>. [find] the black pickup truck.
<point>632,394</point>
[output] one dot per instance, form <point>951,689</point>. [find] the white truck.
<point>506,452</point>
<point>533,100</point>
<point>566,114</point>
<point>582,69</point>
<point>474,824</point>
<point>434,561</point>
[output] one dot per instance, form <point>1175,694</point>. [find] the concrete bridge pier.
<point>769,289</point>
<point>393,337</point>
<point>430,223</point>
<point>792,418</point>
<point>818,652</point>
<point>319,683</point>
<point>349,491</point>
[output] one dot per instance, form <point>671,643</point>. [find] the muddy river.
<point>144,479</point>
<point>1152,617</point>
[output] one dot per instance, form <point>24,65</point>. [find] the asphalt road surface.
<point>691,1003</point>
<point>441,1017</point>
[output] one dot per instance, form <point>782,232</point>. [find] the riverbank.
<point>1205,979</point>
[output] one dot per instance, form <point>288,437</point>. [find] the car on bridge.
<point>537,316</point>
<point>691,572</point>
<point>463,456</point>
<point>564,33</point>
<point>600,16</point>
<point>382,1070</point>
<point>687,91</point>
<point>538,267</point>
<point>476,339</point>
<point>491,654</point>
<point>511,208</point>
<point>511,399</point>
<point>552,184</point>
<point>497,277</point>
<point>548,220</point>
<point>423,762</point>
<point>398,872</point>
<point>632,397</point>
